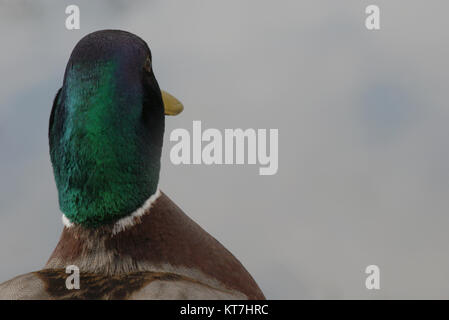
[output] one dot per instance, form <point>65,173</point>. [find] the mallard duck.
<point>126,237</point>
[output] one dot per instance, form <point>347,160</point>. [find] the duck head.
<point>106,129</point>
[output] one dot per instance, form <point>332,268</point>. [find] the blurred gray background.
<point>363,134</point>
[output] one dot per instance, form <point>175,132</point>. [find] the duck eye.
<point>147,65</point>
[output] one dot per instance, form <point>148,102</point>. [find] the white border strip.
<point>66,222</point>
<point>126,222</point>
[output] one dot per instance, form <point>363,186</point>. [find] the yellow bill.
<point>172,106</point>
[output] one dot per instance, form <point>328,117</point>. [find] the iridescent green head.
<point>106,129</point>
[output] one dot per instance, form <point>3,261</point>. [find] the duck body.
<point>163,254</point>
<point>128,239</point>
